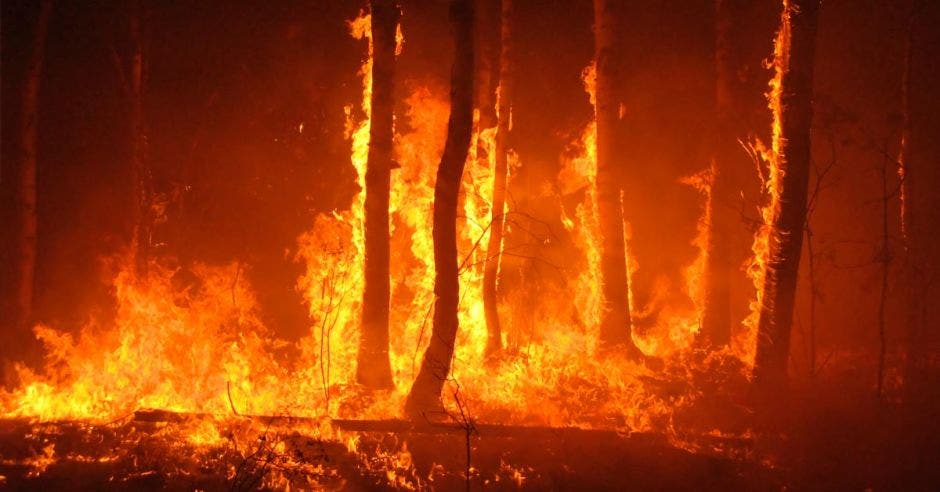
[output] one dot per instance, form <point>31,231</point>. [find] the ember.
<point>479,244</point>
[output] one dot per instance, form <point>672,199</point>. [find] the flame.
<point>334,253</point>
<point>411,207</point>
<point>202,348</point>
<point>744,344</point>
<point>695,273</point>
<point>580,172</point>
<point>183,350</point>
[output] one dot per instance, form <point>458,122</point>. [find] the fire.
<point>203,349</point>
<point>169,349</point>
<point>695,273</point>
<point>675,327</point>
<point>744,344</point>
<point>333,251</point>
<point>186,364</point>
<point>580,172</point>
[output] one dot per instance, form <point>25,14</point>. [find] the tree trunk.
<point>716,320</point>
<point>500,175</point>
<point>29,135</point>
<point>615,329</point>
<point>426,391</point>
<point>913,172</point>
<point>793,117</point>
<point>487,65</point>
<point>373,369</point>
<point>140,169</point>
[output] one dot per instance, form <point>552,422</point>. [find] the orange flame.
<point>744,344</point>
<point>204,349</point>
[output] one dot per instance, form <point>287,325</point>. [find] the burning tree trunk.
<point>716,320</point>
<point>426,391</point>
<point>373,368</point>
<point>26,197</point>
<point>500,175</point>
<point>792,102</point>
<point>615,329</point>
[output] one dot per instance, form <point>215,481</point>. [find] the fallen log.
<point>399,426</point>
<point>132,455</point>
<point>151,415</point>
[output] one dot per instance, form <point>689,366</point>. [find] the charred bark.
<point>373,368</point>
<point>500,176</point>
<point>798,31</point>
<point>615,329</point>
<point>426,391</point>
<point>26,194</point>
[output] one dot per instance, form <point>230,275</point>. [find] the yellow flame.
<point>203,349</point>
<point>744,343</point>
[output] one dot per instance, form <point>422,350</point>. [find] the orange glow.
<point>744,343</point>
<point>205,349</point>
<point>245,275</point>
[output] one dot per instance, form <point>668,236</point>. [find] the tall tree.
<point>716,320</point>
<point>131,67</point>
<point>914,210</point>
<point>373,369</point>
<point>426,391</point>
<point>486,22</point>
<point>26,196</point>
<point>615,329</point>
<point>793,114</point>
<point>500,176</point>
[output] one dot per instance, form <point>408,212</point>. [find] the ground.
<point>139,454</point>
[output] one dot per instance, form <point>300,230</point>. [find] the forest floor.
<point>832,433</point>
<point>145,455</point>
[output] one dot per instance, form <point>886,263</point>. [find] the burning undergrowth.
<point>186,387</point>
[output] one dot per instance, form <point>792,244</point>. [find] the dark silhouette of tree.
<point>794,61</point>
<point>131,65</point>
<point>716,319</point>
<point>486,25</point>
<point>373,369</point>
<point>426,391</point>
<point>26,197</point>
<point>615,329</point>
<point>500,176</point>
<point>916,202</point>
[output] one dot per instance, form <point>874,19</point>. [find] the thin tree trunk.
<point>795,62</point>
<point>500,175</point>
<point>615,329</point>
<point>811,253</point>
<point>904,152</point>
<point>29,136</point>
<point>911,235</point>
<point>426,391</point>
<point>487,65</point>
<point>373,369</point>
<point>140,169</point>
<point>716,320</point>
<point>885,259</point>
